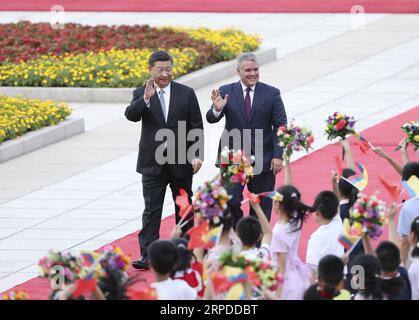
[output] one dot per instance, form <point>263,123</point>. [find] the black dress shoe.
<point>140,264</point>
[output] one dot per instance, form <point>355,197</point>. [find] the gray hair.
<point>247,56</point>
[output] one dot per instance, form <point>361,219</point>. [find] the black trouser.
<point>154,190</point>
<point>260,183</point>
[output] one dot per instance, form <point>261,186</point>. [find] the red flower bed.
<point>25,40</point>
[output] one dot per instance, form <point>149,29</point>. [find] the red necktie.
<point>247,103</point>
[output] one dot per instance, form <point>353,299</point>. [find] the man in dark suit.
<point>255,110</point>
<point>169,111</point>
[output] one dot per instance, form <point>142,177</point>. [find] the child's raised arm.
<point>379,151</point>
<point>403,150</point>
<point>288,174</point>
<point>335,185</point>
<point>350,163</point>
<point>392,228</point>
<point>266,227</point>
<point>366,240</point>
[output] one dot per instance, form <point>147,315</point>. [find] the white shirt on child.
<point>324,241</point>
<point>174,290</point>
<point>263,253</point>
<point>414,277</point>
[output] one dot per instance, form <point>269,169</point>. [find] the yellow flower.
<point>417,138</point>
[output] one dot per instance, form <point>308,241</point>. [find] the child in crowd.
<point>366,270</point>
<point>324,240</point>
<point>183,268</point>
<point>414,266</point>
<point>347,193</point>
<point>285,240</point>
<point>395,281</point>
<point>329,285</point>
<point>251,230</point>
<point>228,240</point>
<point>163,256</point>
<point>408,212</point>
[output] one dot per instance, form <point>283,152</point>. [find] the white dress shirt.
<point>251,93</point>
<point>166,97</point>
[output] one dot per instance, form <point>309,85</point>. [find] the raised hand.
<point>150,90</point>
<point>218,101</point>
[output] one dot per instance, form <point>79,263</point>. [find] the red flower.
<point>310,140</point>
<point>341,124</point>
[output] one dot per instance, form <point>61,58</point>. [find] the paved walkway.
<point>83,192</point>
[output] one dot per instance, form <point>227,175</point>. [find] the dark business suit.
<point>155,177</point>
<point>267,113</point>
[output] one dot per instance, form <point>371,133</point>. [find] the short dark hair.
<point>160,55</point>
<point>249,231</point>
<point>327,203</point>
<point>410,169</point>
<point>389,255</point>
<point>162,256</point>
<point>346,189</point>
<point>372,271</point>
<point>184,257</point>
<point>414,228</point>
<point>330,270</point>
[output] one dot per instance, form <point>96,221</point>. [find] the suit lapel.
<point>173,101</point>
<point>256,97</point>
<point>155,101</point>
<point>238,92</point>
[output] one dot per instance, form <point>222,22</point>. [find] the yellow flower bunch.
<point>15,295</point>
<point>19,115</point>
<point>113,68</point>
<point>230,42</point>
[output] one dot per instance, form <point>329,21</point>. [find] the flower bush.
<point>112,68</point>
<point>18,115</point>
<point>230,42</point>
<point>107,56</point>
<point>27,41</point>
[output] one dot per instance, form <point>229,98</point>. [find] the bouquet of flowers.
<point>294,138</point>
<point>72,265</point>
<point>263,274</point>
<point>368,216</point>
<point>339,125</point>
<point>112,257</point>
<point>211,200</point>
<point>15,295</point>
<point>115,258</point>
<point>260,273</point>
<point>235,167</point>
<point>412,131</point>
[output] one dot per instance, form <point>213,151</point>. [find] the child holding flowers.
<point>285,240</point>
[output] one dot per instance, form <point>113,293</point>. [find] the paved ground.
<point>84,192</point>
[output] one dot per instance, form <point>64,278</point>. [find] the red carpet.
<point>268,6</point>
<point>311,175</point>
